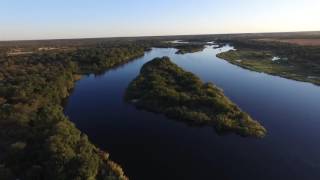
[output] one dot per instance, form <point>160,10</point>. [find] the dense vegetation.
<point>295,62</point>
<point>164,87</point>
<point>183,48</point>
<point>36,140</point>
<point>189,48</point>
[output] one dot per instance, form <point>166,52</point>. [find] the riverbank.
<point>267,62</point>
<point>37,140</point>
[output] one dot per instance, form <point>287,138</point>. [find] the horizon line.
<point>150,36</point>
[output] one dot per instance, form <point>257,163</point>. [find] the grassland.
<point>299,41</point>
<point>262,61</point>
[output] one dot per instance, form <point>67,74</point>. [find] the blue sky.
<point>47,19</point>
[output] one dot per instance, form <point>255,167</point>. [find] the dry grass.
<point>302,42</point>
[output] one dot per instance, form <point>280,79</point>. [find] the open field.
<point>262,61</point>
<point>301,42</point>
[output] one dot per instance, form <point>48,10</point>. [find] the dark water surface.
<point>151,147</point>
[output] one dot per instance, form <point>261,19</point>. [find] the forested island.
<point>163,87</point>
<point>182,47</point>
<point>292,61</point>
<point>189,48</point>
<point>37,141</point>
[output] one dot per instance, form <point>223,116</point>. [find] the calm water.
<point>150,146</point>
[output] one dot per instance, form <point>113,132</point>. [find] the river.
<point>152,147</point>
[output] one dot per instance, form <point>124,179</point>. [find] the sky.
<point>57,19</point>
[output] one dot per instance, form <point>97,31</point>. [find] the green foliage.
<point>36,140</point>
<point>164,87</point>
<point>189,48</point>
<point>101,58</point>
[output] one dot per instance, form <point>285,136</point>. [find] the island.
<point>189,48</point>
<point>163,87</point>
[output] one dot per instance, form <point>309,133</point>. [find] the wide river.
<point>152,147</point>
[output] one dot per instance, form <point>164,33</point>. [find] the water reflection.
<point>150,146</point>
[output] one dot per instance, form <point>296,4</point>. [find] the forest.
<point>163,87</point>
<point>37,141</point>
